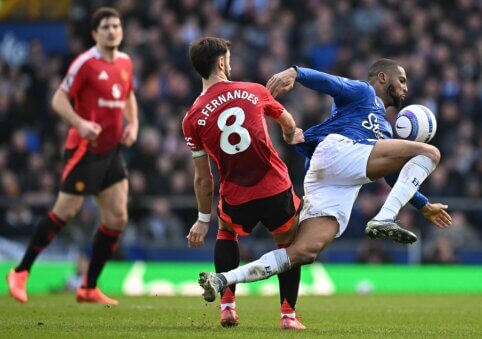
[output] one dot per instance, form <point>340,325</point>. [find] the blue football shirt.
<point>357,113</point>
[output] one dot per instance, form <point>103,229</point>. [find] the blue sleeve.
<point>343,90</point>
<point>418,200</point>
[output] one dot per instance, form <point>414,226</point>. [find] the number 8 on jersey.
<point>235,127</point>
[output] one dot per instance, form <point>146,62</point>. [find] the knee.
<point>66,214</point>
<point>433,153</point>
<point>116,221</point>
<point>306,255</point>
<point>309,256</point>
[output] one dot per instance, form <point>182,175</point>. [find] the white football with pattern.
<point>416,123</point>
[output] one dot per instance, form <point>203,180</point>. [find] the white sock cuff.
<point>424,162</point>
<point>282,260</point>
<point>232,305</point>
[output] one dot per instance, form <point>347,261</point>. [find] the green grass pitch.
<point>340,316</point>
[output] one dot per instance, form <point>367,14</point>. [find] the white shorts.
<point>337,172</point>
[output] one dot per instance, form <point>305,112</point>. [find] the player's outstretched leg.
<point>415,161</point>
<point>271,263</point>
<point>46,230</point>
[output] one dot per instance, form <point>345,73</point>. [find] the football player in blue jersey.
<point>354,146</point>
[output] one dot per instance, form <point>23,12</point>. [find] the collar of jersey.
<point>222,81</point>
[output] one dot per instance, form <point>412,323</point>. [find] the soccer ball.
<point>416,123</point>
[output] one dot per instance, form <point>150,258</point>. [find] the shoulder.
<point>188,121</point>
<point>189,113</point>
<point>359,84</point>
<point>82,60</point>
<point>254,87</point>
<point>358,87</point>
<point>123,57</point>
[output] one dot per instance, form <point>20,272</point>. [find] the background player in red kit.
<point>100,84</point>
<point>227,123</point>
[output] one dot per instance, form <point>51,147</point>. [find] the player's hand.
<point>294,138</point>
<point>129,135</point>
<point>437,214</point>
<point>282,82</point>
<point>89,130</point>
<point>197,233</point>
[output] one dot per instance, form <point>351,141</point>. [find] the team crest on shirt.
<point>124,75</point>
<point>116,91</point>
<point>79,186</point>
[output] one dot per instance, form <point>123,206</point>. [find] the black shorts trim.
<point>276,213</point>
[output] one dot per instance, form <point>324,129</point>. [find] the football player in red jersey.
<point>227,124</point>
<point>99,82</point>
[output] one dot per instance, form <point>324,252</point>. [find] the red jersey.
<point>227,121</point>
<point>99,89</point>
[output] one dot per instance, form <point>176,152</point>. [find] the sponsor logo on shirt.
<point>116,91</point>
<point>372,124</point>
<point>111,103</point>
<point>116,94</point>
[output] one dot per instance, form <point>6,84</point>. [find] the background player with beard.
<point>226,123</point>
<point>351,148</point>
<point>100,84</point>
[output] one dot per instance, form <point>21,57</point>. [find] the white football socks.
<point>413,173</point>
<point>230,305</point>
<point>271,263</point>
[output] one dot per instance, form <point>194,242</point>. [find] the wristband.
<point>419,200</point>
<point>204,217</point>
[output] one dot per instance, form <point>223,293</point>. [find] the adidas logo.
<point>103,76</point>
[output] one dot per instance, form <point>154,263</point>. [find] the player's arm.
<point>61,105</point>
<point>131,129</point>
<point>203,187</point>
<point>318,81</point>
<point>341,89</point>
<point>291,134</point>
<point>272,108</point>
<point>435,212</point>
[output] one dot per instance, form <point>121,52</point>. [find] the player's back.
<point>227,121</point>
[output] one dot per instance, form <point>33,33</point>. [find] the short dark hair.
<point>203,54</point>
<point>101,13</point>
<point>382,65</point>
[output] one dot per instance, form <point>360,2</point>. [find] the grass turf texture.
<point>340,316</point>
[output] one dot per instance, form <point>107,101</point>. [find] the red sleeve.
<point>75,79</point>
<point>272,107</point>
<point>131,82</point>
<point>190,135</point>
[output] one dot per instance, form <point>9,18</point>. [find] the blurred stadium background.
<point>438,42</point>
